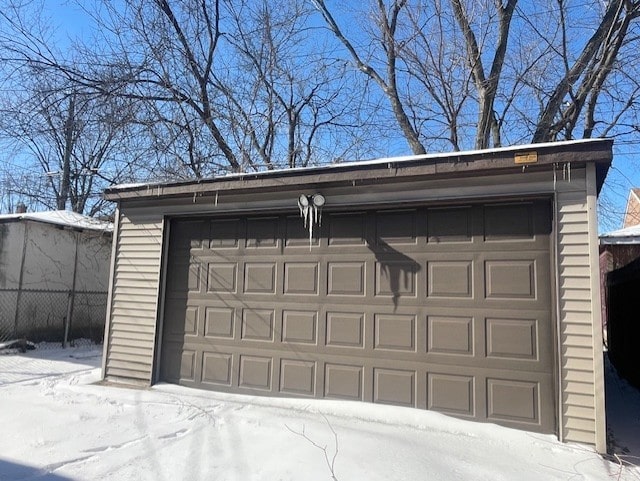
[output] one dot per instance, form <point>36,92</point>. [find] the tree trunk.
<point>545,131</point>
<point>65,178</point>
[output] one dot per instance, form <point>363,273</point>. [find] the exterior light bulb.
<point>318,200</point>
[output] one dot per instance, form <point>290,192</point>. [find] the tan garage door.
<point>444,308</point>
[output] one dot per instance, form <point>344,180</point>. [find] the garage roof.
<point>535,157</point>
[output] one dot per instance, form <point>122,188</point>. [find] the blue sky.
<point>623,175</point>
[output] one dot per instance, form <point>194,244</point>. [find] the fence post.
<point>20,279</point>
<point>67,320</point>
<point>72,293</point>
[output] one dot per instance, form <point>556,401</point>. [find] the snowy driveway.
<point>57,426</point>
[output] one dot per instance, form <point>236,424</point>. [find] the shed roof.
<point>475,162</point>
<point>62,218</point>
<point>628,235</point>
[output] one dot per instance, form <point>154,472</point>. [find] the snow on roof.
<point>62,218</point>
<point>362,163</point>
<point>628,235</point>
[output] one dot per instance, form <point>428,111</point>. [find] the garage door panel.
<point>219,322</point>
<point>405,356</point>
<point>260,278</point>
<point>515,247</point>
<point>180,318</point>
<point>450,278</point>
<point>297,235</point>
<point>258,324</point>
<point>301,278</point>
<point>448,336</point>
<point>444,249</point>
<point>451,393</point>
<point>450,225</point>
<point>451,335</point>
<point>191,235</point>
<point>509,222</point>
<point>345,329</point>
<point>298,377</point>
<point>346,230</point>
<point>299,326</point>
<point>524,223</point>
<point>498,396</point>
<point>217,368</point>
<point>394,386</point>
<point>523,278</point>
<point>465,363</point>
<point>396,227</point>
<point>512,400</point>
<point>513,279</point>
<point>222,277</point>
<point>343,381</point>
<point>512,338</point>
<point>185,276</point>
<point>394,332</point>
<point>445,308</point>
<point>396,278</point>
<point>346,278</point>
<point>255,372</point>
<point>224,234</point>
<point>261,233</point>
<point>179,363</point>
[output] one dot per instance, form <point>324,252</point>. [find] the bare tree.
<point>292,95</point>
<point>486,83</point>
<point>514,53</point>
<point>386,19</point>
<point>71,136</point>
<point>225,85</point>
<point>584,76</point>
<point>222,85</point>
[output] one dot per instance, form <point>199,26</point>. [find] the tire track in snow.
<point>175,435</point>
<point>92,453</point>
<point>113,447</point>
<point>40,377</point>
<point>100,450</point>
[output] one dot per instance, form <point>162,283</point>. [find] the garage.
<point>438,307</point>
<point>463,283</point>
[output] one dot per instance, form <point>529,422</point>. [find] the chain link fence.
<point>52,318</point>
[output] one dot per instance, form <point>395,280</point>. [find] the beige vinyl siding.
<point>134,298</point>
<point>578,393</point>
<point>596,309</point>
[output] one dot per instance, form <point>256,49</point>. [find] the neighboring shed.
<point>620,285</point>
<point>624,237</point>
<point>48,260</point>
<point>623,303</point>
<point>617,249</point>
<point>465,283</point>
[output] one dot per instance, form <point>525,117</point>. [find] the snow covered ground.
<point>58,425</point>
